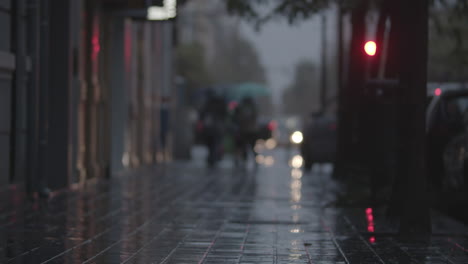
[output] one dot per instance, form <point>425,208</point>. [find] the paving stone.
<point>183,213</point>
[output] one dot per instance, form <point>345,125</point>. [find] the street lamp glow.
<point>297,137</point>
<point>370,48</point>
<point>168,11</point>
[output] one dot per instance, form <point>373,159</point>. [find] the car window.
<point>454,109</point>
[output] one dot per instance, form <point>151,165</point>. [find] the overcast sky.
<point>281,46</point>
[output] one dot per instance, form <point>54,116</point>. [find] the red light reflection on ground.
<point>370,224</point>
<point>457,245</point>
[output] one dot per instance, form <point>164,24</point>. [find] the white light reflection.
<point>296,207</point>
<point>297,161</point>
<point>269,161</point>
<point>271,144</point>
<point>295,230</point>
<point>260,159</point>
<point>296,184</point>
<point>296,195</point>
<point>259,145</point>
<point>295,256</point>
<point>296,174</point>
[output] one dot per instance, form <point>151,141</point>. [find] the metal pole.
<point>323,90</point>
<point>340,50</point>
<point>32,94</point>
<point>384,53</point>
<point>43,99</point>
<point>19,93</point>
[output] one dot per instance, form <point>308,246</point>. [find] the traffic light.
<point>370,48</point>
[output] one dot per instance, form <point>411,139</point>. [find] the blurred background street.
<point>233,131</point>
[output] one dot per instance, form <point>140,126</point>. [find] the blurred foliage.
<point>295,10</point>
<point>448,45</point>
<point>292,10</point>
<point>302,95</point>
<point>448,41</point>
<point>190,63</point>
<point>236,61</point>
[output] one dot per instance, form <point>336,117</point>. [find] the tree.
<point>448,49</point>
<point>190,64</point>
<point>293,10</point>
<point>236,61</point>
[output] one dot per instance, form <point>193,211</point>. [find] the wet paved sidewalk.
<point>183,213</point>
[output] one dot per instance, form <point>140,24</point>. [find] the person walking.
<point>212,118</point>
<point>245,118</point>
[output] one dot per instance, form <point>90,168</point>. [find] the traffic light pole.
<point>33,94</point>
<point>349,94</point>
<point>409,200</point>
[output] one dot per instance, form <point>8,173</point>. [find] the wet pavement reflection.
<point>184,213</point>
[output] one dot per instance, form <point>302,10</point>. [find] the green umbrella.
<point>242,90</point>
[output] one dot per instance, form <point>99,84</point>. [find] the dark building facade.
<point>81,83</point>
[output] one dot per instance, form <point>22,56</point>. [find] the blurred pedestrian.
<point>212,121</point>
<point>245,118</point>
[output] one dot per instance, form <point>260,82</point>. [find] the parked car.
<point>447,141</point>
<point>319,140</point>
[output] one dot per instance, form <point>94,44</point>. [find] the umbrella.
<point>242,90</point>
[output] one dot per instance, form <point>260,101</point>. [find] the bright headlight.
<point>297,137</point>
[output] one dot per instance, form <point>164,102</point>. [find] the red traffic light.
<point>370,48</point>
